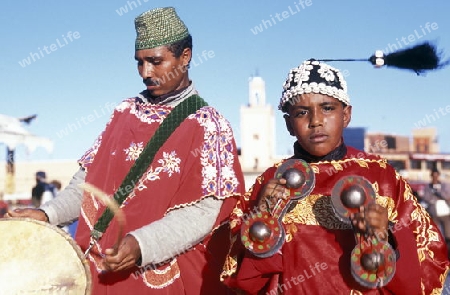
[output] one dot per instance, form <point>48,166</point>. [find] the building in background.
<point>257,125</point>
<point>413,156</point>
<point>424,140</point>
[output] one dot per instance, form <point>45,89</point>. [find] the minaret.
<point>257,129</point>
<point>256,91</point>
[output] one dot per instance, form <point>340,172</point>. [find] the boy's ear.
<point>288,124</point>
<point>347,115</point>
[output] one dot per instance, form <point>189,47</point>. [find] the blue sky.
<point>79,61</point>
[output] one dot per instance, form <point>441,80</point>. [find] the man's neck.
<point>161,98</point>
<point>171,99</point>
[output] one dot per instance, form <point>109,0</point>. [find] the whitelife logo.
<point>46,50</point>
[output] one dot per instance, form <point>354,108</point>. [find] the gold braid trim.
<point>345,163</point>
<point>230,265</point>
<point>425,232</point>
<point>236,216</point>
<point>438,291</point>
<point>317,210</point>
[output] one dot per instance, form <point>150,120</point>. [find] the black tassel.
<point>420,58</point>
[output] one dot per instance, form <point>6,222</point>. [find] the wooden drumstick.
<point>112,204</point>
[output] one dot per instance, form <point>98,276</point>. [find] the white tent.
<point>12,134</point>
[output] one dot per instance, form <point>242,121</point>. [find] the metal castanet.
<point>373,261</point>
<point>263,234</point>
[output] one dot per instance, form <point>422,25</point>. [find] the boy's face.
<point>318,120</point>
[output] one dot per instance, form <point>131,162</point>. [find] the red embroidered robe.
<point>198,160</point>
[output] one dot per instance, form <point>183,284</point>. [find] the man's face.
<point>317,121</point>
<point>435,177</point>
<point>161,72</point>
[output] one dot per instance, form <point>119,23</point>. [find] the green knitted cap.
<point>157,27</point>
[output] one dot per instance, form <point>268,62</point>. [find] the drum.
<point>39,258</point>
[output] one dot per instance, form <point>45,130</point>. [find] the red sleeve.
<point>243,271</point>
<point>256,275</point>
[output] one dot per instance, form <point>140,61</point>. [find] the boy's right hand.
<point>274,190</point>
<point>27,213</point>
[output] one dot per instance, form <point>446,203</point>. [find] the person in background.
<point>437,195</point>
<point>3,205</point>
<point>43,191</point>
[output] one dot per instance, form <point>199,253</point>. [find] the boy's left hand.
<point>372,220</point>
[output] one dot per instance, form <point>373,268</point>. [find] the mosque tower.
<point>257,129</point>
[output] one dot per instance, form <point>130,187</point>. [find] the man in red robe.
<point>176,209</point>
<point>315,257</point>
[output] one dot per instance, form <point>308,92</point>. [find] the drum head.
<point>38,258</point>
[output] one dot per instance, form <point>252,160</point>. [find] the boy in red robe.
<point>315,255</point>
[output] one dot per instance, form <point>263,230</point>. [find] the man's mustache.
<point>150,82</point>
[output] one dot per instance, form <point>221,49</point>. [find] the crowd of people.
<point>184,213</point>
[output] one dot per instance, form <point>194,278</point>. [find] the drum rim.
<point>84,261</point>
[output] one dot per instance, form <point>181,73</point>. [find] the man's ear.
<point>288,124</point>
<point>347,115</point>
<point>186,55</point>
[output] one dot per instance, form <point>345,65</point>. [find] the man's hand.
<point>27,213</point>
<point>372,221</point>
<point>124,257</point>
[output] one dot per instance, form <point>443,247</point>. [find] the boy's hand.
<point>272,192</point>
<point>372,220</point>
